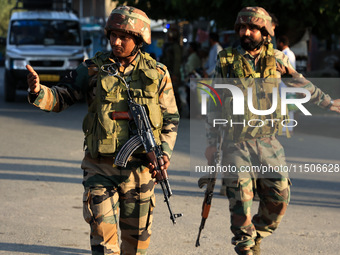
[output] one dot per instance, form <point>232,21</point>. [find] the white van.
<point>50,41</point>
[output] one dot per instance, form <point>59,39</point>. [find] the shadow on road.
<point>69,119</point>
<point>315,193</point>
<point>40,249</point>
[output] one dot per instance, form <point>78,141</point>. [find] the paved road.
<point>41,191</point>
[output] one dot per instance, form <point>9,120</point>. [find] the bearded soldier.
<point>114,194</point>
<point>255,64</point>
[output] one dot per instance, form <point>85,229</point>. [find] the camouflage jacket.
<point>81,83</point>
<point>283,69</point>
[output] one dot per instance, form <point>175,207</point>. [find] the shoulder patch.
<point>161,66</point>
<point>280,57</point>
<point>280,61</point>
<point>278,54</point>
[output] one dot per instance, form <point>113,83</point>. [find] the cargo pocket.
<point>106,130</point>
<point>156,116</point>
<point>87,212</point>
<point>232,186</point>
<point>150,78</point>
<point>100,205</point>
<point>232,182</point>
<point>150,214</point>
<point>90,141</point>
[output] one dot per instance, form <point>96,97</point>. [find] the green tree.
<point>5,11</point>
<point>322,16</point>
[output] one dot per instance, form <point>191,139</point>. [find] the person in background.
<point>275,23</point>
<point>192,68</point>
<point>172,59</point>
<point>194,61</point>
<point>215,48</point>
<point>283,45</point>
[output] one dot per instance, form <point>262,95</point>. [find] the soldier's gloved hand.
<point>209,154</point>
<point>161,174</point>
<point>33,80</point>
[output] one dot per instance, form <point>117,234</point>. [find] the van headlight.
<point>19,64</point>
<point>73,64</point>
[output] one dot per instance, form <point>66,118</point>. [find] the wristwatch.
<point>330,104</point>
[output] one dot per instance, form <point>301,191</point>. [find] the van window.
<point>45,32</point>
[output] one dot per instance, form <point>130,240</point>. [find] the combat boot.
<point>243,252</point>
<point>256,248</point>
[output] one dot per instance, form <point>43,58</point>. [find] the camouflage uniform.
<point>255,148</point>
<point>116,194</point>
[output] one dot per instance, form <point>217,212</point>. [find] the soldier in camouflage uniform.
<point>116,194</point>
<point>251,146</point>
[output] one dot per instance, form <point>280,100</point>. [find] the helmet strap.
<point>257,47</point>
<point>135,49</point>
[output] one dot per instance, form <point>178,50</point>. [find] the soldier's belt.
<point>121,116</point>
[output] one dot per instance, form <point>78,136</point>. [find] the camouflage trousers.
<point>118,195</point>
<point>273,189</point>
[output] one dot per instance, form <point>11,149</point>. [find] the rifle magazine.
<point>126,151</point>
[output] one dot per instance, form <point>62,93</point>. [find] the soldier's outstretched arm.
<point>59,97</point>
<point>318,97</point>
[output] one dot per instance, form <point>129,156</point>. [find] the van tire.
<point>9,87</point>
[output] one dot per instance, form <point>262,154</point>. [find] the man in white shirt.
<point>283,45</point>
<point>215,48</point>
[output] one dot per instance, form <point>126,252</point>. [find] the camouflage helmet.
<point>130,20</point>
<point>256,16</point>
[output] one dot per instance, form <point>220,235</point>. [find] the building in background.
<point>93,15</point>
<point>93,8</point>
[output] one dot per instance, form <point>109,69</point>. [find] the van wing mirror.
<point>3,41</point>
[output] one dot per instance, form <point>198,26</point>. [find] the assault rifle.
<point>146,138</point>
<point>210,181</point>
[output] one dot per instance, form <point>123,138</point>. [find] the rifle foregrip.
<point>206,210</point>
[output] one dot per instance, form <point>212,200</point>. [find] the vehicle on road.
<point>45,35</point>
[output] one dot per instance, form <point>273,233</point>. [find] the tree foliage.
<point>322,16</point>
<point>5,16</point>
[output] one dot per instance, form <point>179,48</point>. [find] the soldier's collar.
<point>129,68</point>
<point>243,52</point>
<point>246,54</point>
